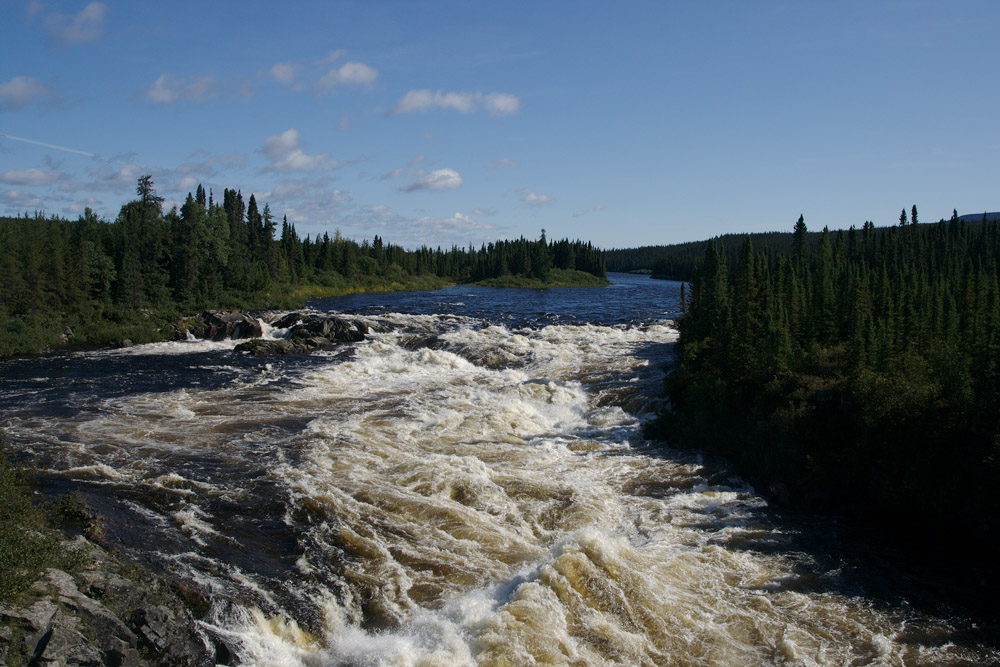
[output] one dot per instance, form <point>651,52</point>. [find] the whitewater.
<point>470,485</point>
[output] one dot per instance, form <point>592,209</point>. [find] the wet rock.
<point>226,325</point>
<point>307,333</point>
<point>289,320</point>
<point>330,327</point>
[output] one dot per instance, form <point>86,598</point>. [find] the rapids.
<point>468,486</point>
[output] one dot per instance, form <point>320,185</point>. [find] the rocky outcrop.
<point>99,617</point>
<point>307,333</point>
<point>219,325</point>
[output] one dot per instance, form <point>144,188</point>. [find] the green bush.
<point>28,543</point>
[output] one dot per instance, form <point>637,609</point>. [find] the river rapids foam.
<point>456,493</point>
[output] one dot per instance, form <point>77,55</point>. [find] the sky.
<point>441,123</point>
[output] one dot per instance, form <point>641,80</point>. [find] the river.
<point>467,486</point>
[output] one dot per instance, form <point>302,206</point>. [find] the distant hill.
<point>678,261</point>
<point>978,217</point>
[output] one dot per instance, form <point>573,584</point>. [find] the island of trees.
<point>96,282</point>
<point>855,371</point>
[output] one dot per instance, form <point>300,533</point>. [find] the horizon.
<point>449,124</point>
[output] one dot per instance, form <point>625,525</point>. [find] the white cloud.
<point>31,177</point>
<point>286,154</point>
<point>87,25</point>
<point>21,91</point>
<point>453,227</point>
<point>592,209</point>
<point>78,207</point>
<point>439,179</point>
<point>168,89</point>
<point>499,104</point>
<point>285,73</point>
<point>395,173</point>
<point>502,162</point>
<point>348,74</point>
<point>502,104</point>
<point>532,198</point>
<point>19,199</point>
<point>457,229</point>
<point>118,181</point>
<point>333,57</point>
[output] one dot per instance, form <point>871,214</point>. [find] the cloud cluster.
<point>439,179</point>
<point>21,91</point>
<point>348,74</point>
<point>354,73</point>
<point>457,229</point>
<point>531,198</point>
<point>498,104</point>
<point>285,154</point>
<point>169,89</point>
<point>31,177</point>
<point>286,73</point>
<point>87,25</point>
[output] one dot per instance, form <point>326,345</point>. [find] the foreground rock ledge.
<point>99,617</point>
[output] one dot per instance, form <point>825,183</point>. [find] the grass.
<point>29,542</point>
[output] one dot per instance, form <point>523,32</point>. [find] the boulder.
<point>99,617</point>
<point>307,333</point>
<point>232,324</point>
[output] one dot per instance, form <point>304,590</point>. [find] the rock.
<point>235,325</point>
<point>285,321</point>
<point>99,617</point>
<point>33,622</point>
<point>308,333</point>
<point>6,637</point>
<point>66,645</point>
<point>265,348</point>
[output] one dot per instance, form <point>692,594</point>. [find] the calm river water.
<point>468,486</point>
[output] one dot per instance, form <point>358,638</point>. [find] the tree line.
<point>860,373</point>
<point>680,260</point>
<point>100,281</point>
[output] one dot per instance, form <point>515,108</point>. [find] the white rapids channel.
<point>467,494</point>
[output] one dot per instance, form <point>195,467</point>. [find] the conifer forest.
<point>94,282</point>
<point>857,371</point>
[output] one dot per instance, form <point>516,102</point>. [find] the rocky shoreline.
<point>108,613</point>
<point>111,612</point>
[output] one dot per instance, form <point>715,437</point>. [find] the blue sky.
<point>439,123</point>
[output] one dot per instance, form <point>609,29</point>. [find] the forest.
<point>856,371</point>
<point>93,282</point>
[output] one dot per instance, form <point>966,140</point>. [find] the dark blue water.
<point>630,299</point>
<point>64,384</point>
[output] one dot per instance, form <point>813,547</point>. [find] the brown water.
<point>463,489</point>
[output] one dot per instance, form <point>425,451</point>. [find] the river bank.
<point>103,326</point>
